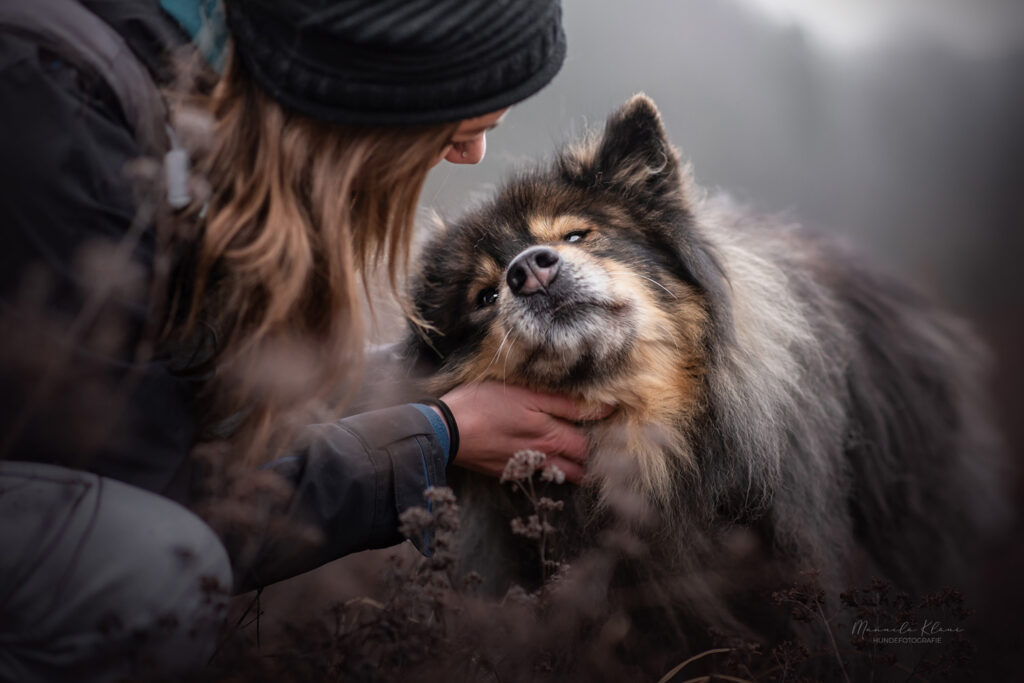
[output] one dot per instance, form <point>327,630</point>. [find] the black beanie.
<point>383,62</point>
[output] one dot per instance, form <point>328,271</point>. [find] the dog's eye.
<point>486,297</point>
<point>576,235</point>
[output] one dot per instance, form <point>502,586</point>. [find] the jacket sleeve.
<point>350,481</point>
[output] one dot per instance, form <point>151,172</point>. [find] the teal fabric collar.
<point>203,20</point>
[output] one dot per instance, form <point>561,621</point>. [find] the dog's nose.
<point>533,271</point>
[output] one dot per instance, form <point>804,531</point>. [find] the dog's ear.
<point>634,159</point>
<point>634,155</point>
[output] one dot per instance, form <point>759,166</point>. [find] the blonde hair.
<point>299,211</point>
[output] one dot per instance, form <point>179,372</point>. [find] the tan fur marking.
<point>488,274</point>
<point>658,397</point>
<point>491,363</point>
<point>546,229</point>
<point>580,155</point>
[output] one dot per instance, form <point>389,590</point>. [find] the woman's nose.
<point>468,152</point>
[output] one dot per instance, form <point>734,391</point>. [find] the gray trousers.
<point>101,581</point>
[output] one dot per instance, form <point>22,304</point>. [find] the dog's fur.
<point>765,380</point>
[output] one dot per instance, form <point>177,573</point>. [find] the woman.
<point>326,120</point>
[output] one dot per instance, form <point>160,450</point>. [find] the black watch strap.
<point>449,420</point>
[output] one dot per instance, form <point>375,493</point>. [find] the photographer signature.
<point>929,627</point>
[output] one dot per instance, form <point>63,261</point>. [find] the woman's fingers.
<point>564,439</point>
<point>567,409</point>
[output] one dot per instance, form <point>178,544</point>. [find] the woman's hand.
<point>496,420</point>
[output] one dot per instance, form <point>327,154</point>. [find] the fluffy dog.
<point>766,380</point>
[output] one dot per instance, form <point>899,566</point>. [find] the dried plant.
<point>521,472</point>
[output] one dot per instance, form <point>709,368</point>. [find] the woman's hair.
<point>299,213</point>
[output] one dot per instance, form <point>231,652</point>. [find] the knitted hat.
<point>379,62</point>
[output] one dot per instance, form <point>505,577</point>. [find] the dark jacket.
<point>74,394</point>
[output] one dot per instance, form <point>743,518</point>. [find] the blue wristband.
<point>440,428</point>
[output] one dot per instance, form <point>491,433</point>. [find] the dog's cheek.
<point>623,284</point>
<point>489,353</point>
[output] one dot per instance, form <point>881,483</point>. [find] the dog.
<point>770,385</point>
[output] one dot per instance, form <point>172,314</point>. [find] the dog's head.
<point>586,277</point>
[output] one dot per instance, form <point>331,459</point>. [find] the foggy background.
<point>895,125</point>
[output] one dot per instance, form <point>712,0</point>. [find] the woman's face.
<point>469,141</point>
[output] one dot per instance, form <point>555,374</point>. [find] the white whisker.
<point>504,370</point>
<point>497,353</point>
<point>658,284</point>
